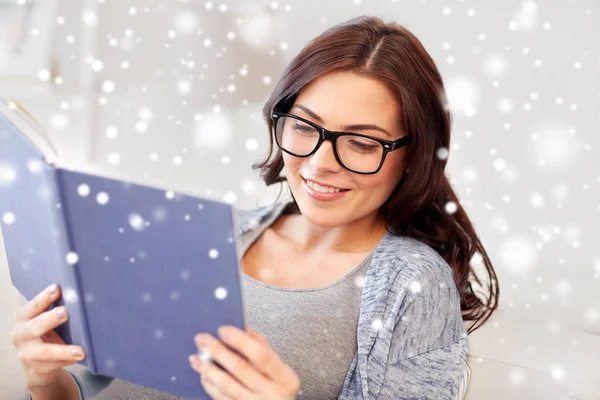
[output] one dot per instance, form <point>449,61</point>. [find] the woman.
<point>361,284</point>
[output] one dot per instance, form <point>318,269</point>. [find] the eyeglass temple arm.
<point>400,142</point>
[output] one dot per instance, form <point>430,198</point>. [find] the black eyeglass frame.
<point>325,134</point>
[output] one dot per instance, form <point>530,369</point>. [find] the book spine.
<point>235,218</point>
<point>75,330</point>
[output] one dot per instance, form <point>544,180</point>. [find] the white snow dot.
<point>146,297</point>
<point>8,218</point>
<point>7,174</point>
<point>536,200</point>
<point>158,334</point>
<point>499,164</point>
<point>451,207</point>
<point>72,258</point>
<point>70,295</point>
<point>83,190</point>
<point>248,186</point>
<point>34,166</point>
<point>186,22</point>
<point>44,75</point>
<point>136,221</point>
<point>89,17</point>
<point>376,324</point>
<point>59,121</point>
<point>169,194</point>
<point>185,275</point>
<point>220,293</point>
<point>557,372</point>
<point>141,126</point>
<point>251,144</point>
<point>97,65</point>
<point>415,286</point>
<point>114,158</point>
<point>267,80</point>
<point>359,281</point>
<point>213,253</point>
<point>108,86</point>
<point>204,355</point>
<point>111,132</point>
<point>230,197</point>
<point>442,153</point>
<point>184,87</point>
<point>102,198</point>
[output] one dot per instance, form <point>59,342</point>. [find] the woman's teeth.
<point>323,189</point>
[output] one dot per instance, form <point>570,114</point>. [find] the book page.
<point>17,115</point>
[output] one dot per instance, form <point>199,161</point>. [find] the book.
<point>142,269</point>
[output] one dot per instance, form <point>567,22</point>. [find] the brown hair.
<point>389,52</point>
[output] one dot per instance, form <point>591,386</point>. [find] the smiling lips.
<point>321,188</point>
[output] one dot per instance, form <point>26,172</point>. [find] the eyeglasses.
<point>362,154</point>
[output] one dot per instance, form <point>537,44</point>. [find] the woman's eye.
<point>303,128</point>
<point>362,146</point>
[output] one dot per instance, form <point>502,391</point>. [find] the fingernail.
<point>77,353</point>
<point>191,359</point>
<point>52,288</point>
<point>225,331</point>
<point>60,311</point>
<point>201,339</point>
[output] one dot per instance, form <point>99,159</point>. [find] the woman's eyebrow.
<point>345,127</point>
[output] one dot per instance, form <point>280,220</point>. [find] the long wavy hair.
<point>416,208</point>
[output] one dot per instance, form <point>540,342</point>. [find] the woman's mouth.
<point>321,192</point>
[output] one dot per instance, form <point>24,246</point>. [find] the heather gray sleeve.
<point>88,384</point>
<point>428,350</point>
<point>76,383</point>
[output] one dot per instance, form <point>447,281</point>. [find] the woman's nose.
<point>324,158</point>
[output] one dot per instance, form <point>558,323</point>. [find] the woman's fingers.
<point>259,353</point>
<point>212,389</point>
<point>48,367</point>
<point>38,304</point>
<point>34,352</point>
<point>257,335</point>
<point>40,325</point>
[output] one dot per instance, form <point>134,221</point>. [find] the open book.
<point>142,270</point>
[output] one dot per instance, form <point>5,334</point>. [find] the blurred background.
<point>171,93</point>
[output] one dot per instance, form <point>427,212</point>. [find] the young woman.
<point>360,287</point>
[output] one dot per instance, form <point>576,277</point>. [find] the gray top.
<point>411,337</point>
<point>322,320</point>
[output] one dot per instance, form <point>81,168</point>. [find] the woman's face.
<point>339,99</point>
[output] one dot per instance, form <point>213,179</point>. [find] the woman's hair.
<point>416,208</point>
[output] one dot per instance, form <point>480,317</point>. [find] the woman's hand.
<point>42,353</point>
<point>259,374</point>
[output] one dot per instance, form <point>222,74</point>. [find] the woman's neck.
<point>308,239</point>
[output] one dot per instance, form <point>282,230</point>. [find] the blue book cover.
<point>142,269</point>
